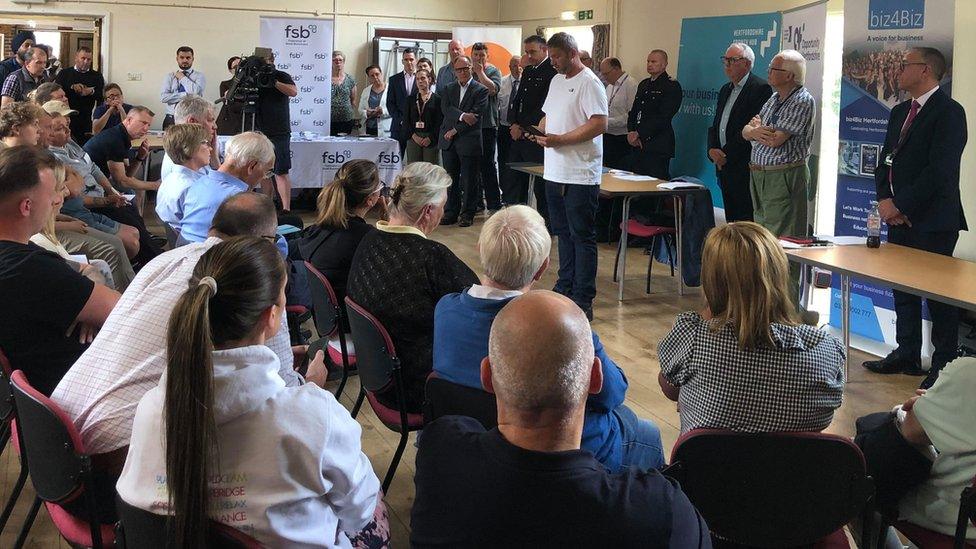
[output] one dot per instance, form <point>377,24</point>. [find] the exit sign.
<point>584,14</point>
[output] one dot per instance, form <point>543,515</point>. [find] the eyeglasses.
<point>730,60</point>
<point>269,174</point>
<point>461,69</point>
<point>771,69</point>
<point>904,64</point>
<point>273,238</point>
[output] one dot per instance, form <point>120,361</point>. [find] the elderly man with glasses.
<point>248,158</point>
<point>781,135</point>
<point>738,101</point>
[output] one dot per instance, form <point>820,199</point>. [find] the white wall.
<point>142,37</point>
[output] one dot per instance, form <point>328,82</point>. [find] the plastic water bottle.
<point>874,226</point>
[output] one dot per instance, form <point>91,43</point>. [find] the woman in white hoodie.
<point>222,438</point>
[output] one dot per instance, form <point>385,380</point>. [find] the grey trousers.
<point>100,245</point>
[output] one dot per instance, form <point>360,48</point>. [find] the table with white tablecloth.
<point>316,159</point>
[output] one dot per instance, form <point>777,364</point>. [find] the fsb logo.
<point>319,100</point>
<point>337,157</point>
<point>300,31</point>
<point>295,55</point>
<point>319,78</point>
<point>321,56</point>
<point>306,89</point>
<point>388,158</point>
<point>307,67</point>
<point>305,112</point>
<point>297,78</point>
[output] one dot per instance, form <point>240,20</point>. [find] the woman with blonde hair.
<point>330,243</point>
<point>188,146</point>
<point>745,363</point>
<point>344,92</point>
<point>95,270</point>
<point>399,275</point>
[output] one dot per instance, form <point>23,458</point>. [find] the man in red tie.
<point>918,197</point>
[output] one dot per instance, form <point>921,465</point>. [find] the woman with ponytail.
<point>330,243</point>
<point>218,440</point>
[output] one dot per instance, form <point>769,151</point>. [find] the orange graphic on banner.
<point>498,56</point>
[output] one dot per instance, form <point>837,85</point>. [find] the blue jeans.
<point>572,215</point>
<point>640,439</point>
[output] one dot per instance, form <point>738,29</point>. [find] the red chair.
<point>379,372</point>
<point>773,489</point>
<point>330,319</point>
<point>923,537</point>
<point>61,470</point>
<point>8,433</point>
<point>637,229</point>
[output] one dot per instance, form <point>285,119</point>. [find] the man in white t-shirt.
<point>576,118</point>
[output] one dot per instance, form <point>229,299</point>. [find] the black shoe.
<point>891,365</point>
<point>465,221</point>
<point>449,221</point>
<point>915,370</point>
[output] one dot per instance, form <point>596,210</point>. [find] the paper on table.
<point>846,240</point>
<point>636,177</point>
<point>672,185</point>
<point>129,197</point>
<point>787,245</point>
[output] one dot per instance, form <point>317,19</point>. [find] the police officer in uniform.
<point>525,110</point>
<point>649,130</point>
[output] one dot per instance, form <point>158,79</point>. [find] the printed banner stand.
<point>703,41</point>
<point>303,48</point>
<point>877,34</point>
<point>502,42</point>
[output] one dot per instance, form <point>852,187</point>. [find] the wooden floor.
<point>630,331</point>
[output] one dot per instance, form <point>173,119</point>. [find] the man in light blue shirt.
<point>247,159</point>
<point>180,83</point>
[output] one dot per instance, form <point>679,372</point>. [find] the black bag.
<point>895,465</point>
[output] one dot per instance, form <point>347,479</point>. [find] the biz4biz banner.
<point>303,48</point>
<point>877,35</point>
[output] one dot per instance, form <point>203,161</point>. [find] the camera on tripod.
<point>253,74</point>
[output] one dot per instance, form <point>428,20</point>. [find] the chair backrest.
<point>376,357</point>
<point>328,311</point>
<point>52,444</point>
<point>141,529</point>
<point>444,398</point>
<point>771,489</point>
<point>6,397</point>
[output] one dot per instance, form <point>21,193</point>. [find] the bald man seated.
<point>527,482</point>
<point>514,247</point>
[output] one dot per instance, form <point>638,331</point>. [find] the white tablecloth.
<point>316,159</point>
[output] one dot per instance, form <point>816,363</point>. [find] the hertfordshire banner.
<point>703,41</point>
<point>877,34</point>
<point>502,42</point>
<point>303,49</point>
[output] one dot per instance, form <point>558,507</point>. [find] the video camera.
<point>253,74</point>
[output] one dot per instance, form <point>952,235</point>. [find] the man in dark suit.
<point>649,129</point>
<point>917,183</point>
<point>525,109</point>
<point>463,103</point>
<point>401,86</point>
<point>739,100</point>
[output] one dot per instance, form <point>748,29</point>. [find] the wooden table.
<point>925,274</point>
<point>612,187</point>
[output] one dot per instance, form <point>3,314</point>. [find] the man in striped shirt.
<point>781,135</point>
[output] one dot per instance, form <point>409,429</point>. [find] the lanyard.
<point>616,89</point>
<point>421,105</point>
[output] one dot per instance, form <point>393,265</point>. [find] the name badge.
<point>419,125</point>
<point>889,159</point>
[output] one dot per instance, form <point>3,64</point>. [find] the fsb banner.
<point>703,42</point>
<point>877,35</point>
<point>303,48</point>
<point>502,42</point>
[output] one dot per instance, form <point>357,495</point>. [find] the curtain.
<point>601,43</point>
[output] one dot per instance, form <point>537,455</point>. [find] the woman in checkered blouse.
<point>745,363</point>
